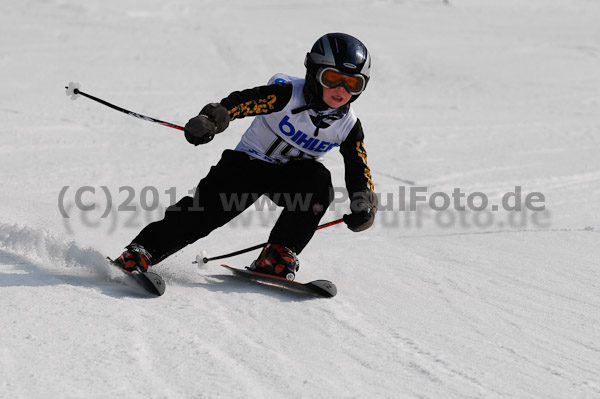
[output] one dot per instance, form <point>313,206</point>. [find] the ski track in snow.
<point>479,95</point>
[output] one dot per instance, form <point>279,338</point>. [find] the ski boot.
<point>134,260</point>
<point>277,260</point>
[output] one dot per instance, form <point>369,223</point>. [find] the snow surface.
<point>479,95</point>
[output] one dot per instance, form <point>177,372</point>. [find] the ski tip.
<point>324,287</point>
<point>157,286</point>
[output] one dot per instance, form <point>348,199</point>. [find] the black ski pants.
<point>303,188</point>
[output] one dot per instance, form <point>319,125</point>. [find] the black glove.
<point>201,129</point>
<point>363,207</point>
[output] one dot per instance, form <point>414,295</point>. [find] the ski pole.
<point>74,92</point>
<point>203,259</point>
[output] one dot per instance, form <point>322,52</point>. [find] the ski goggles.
<point>332,78</point>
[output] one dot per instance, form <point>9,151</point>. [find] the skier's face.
<point>336,97</point>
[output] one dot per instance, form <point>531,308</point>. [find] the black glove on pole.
<point>201,129</point>
<point>363,207</point>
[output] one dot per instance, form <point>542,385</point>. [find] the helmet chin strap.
<point>322,113</point>
<point>313,93</point>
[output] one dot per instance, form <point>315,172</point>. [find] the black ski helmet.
<point>341,51</point>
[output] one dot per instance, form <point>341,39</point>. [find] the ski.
<point>320,288</point>
<point>151,282</point>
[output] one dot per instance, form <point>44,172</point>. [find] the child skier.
<point>297,121</point>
